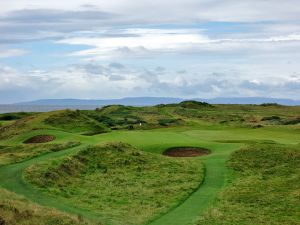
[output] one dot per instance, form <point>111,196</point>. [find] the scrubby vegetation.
<point>128,182</point>
<point>14,116</point>
<point>18,153</point>
<point>118,117</point>
<point>118,184</point>
<point>16,210</point>
<point>194,104</point>
<point>75,121</point>
<point>264,189</point>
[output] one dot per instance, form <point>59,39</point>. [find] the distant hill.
<point>138,101</point>
<point>250,100</point>
<point>144,101</point>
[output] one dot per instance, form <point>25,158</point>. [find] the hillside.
<point>169,164</point>
<point>150,101</point>
<point>128,181</point>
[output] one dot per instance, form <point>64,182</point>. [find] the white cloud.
<point>176,10</point>
<point>6,53</point>
<point>259,51</point>
<point>138,42</point>
<point>83,81</point>
<point>149,42</point>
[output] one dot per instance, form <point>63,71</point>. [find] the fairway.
<point>149,112</point>
<point>152,141</point>
<point>195,201</point>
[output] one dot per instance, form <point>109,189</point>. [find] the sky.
<point>99,49</point>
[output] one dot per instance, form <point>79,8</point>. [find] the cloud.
<point>116,65</point>
<point>203,48</point>
<point>38,24</point>
<point>175,11</point>
<point>102,81</point>
<point>137,43</point>
<point>23,20</point>
<point>7,53</point>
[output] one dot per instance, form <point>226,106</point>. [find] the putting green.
<point>220,142</point>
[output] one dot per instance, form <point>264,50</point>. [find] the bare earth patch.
<point>39,139</point>
<point>186,152</point>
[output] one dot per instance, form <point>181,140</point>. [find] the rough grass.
<point>18,153</point>
<point>121,184</point>
<point>265,189</point>
<point>258,195</point>
<point>16,210</point>
<point>75,121</point>
<point>14,116</point>
<point>117,117</point>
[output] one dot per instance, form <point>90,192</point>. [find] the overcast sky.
<point>96,49</point>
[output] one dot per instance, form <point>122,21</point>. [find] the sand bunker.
<point>39,139</point>
<point>186,152</point>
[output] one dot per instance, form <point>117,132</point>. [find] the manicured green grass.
<point>264,190</point>
<point>128,182</point>
<point>222,128</point>
<point>153,141</point>
<point>214,180</point>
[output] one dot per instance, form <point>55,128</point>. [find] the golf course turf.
<point>212,142</point>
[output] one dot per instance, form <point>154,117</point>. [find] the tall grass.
<point>264,190</point>
<point>121,184</point>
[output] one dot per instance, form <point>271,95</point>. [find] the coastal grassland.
<point>75,179</point>
<point>15,115</point>
<point>16,210</point>
<point>5,122</point>
<point>263,188</point>
<point>21,152</point>
<point>75,121</point>
<point>119,183</point>
<point>118,117</point>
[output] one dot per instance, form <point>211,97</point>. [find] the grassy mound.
<point>15,116</point>
<point>194,104</point>
<point>15,210</point>
<point>75,121</point>
<point>116,181</point>
<point>18,153</point>
<point>117,116</point>
<point>264,191</point>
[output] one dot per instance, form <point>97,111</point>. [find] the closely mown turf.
<point>105,183</point>
<point>265,188</point>
<point>127,181</point>
<point>16,210</point>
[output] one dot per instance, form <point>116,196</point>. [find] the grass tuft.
<point>116,179</point>
<point>264,190</point>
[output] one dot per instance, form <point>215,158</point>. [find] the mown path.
<point>190,209</point>
<point>185,213</point>
<point>11,177</point>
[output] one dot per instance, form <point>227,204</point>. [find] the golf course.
<point>190,163</point>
